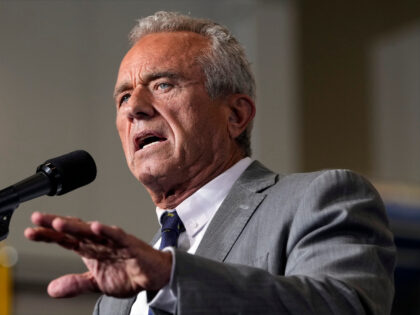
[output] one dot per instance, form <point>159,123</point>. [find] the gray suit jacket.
<point>314,243</point>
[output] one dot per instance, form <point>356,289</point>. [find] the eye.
<point>124,98</point>
<point>163,86</point>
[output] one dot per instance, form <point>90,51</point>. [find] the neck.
<point>172,194</point>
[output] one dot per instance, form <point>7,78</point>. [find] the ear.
<point>241,113</point>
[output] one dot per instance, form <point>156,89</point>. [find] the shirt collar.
<point>197,210</point>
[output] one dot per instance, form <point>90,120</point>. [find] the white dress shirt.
<point>195,212</point>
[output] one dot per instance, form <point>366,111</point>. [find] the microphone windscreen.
<point>75,169</point>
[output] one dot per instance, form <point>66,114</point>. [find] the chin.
<point>149,173</point>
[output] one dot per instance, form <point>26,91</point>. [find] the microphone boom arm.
<point>9,201</point>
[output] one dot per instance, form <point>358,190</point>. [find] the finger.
<point>46,220</point>
<point>116,234</point>
<point>72,285</point>
<point>71,226</point>
<point>40,234</point>
<point>78,229</point>
<point>42,219</point>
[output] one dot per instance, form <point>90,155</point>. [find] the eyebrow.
<point>122,87</point>
<point>147,78</point>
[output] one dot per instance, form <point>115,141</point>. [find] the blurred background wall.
<point>338,86</point>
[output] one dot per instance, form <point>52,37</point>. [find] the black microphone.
<point>56,176</point>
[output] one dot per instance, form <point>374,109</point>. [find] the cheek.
<point>123,132</point>
<point>202,135</point>
<point>192,128</point>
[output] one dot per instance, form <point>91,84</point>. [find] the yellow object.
<point>5,283</point>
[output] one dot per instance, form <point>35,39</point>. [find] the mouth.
<point>147,139</point>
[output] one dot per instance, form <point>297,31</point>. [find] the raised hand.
<point>118,264</point>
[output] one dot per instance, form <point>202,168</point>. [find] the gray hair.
<point>225,66</point>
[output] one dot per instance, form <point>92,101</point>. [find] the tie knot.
<point>172,226</point>
<point>171,220</point>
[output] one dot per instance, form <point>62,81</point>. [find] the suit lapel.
<point>231,218</point>
<point>155,238</point>
<point>235,211</point>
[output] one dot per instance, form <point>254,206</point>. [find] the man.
<point>254,242</point>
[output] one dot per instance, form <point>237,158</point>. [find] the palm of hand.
<point>119,264</point>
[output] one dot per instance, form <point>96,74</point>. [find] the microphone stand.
<point>27,189</point>
<point>78,168</point>
<point>9,201</point>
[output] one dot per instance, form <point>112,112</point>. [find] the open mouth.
<point>145,141</point>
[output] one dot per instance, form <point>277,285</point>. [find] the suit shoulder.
<point>322,178</point>
<point>323,184</point>
<point>332,174</point>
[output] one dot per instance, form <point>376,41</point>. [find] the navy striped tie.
<point>172,226</point>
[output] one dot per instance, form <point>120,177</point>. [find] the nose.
<point>140,104</point>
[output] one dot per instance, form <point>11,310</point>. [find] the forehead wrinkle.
<point>121,88</point>
<point>127,83</point>
<point>144,72</point>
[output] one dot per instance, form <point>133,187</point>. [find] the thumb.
<point>72,285</point>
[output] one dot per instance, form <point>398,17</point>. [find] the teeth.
<point>150,144</point>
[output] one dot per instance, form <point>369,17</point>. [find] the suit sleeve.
<point>339,253</point>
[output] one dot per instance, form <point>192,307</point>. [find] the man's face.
<point>169,127</point>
